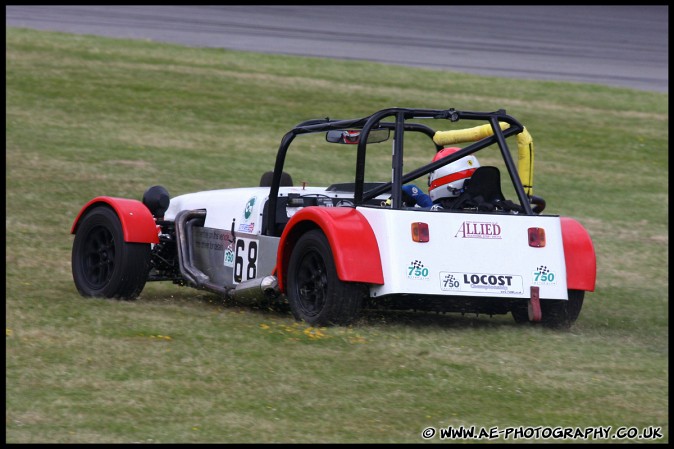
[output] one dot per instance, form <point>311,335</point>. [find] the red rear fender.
<point>137,222</point>
<point>581,262</point>
<point>353,243</point>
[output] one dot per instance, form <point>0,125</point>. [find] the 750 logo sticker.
<point>417,270</point>
<point>543,276</point>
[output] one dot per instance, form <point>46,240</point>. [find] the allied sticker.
<point>478,230</point>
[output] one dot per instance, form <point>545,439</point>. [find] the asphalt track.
<point>624,46</point>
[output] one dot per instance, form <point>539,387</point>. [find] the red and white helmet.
<point>447,181</point>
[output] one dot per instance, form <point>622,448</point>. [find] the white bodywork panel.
<point>468,254</point>
<point>245,205</point>
<point>251,255</point>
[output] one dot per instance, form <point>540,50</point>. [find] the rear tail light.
<point>420,232</point>
<point>537,237</point>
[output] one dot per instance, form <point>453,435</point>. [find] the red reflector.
<point>420,232</point>
<point>537,237</point>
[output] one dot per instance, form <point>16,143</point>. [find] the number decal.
<point>238,260</point>
<point>251,269</point>
<point>245,266</point>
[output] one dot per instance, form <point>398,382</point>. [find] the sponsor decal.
<point>417,270</point>
<point>249,208</point>
<point>478,230</point>
<point>210,239</point>
<point>449,282</point>
<point>229,256</point>
<point>502,284</point>
<point>246,227</point>
<point>543,276</point>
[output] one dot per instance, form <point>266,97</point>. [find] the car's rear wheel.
<point>555,313</point>
<point>560,313</point>
<point>315,293</point>
<point>103,264</point>
<point>520,312</point>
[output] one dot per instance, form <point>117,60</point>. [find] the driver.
<point>448,182</point>
<point>444,184</point>
<point>413,195</point>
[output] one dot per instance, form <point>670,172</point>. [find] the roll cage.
<point>400,123</point>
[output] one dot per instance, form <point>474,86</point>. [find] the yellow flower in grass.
<point>264,326</point>
<point>161,337</point>
<point>291,329</point>
<point>315,333</point>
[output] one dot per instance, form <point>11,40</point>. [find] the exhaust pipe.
<point>255,290</point>
<point>247,292</point>
<point>183,224</point>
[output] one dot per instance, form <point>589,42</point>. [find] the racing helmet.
<point>448,180</point>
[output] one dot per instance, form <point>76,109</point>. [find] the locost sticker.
<point>500,284</point>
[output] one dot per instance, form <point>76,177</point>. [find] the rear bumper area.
<point>434,303</point>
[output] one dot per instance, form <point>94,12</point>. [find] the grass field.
<point>89,116</point>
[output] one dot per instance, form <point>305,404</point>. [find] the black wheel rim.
<point>312,283</point>
<point>98,258</point>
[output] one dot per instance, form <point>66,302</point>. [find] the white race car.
<point>376,240</point>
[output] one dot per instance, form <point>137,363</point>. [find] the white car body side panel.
<point>245,205</point>
<point>253,255</point>
<point>468,254</point>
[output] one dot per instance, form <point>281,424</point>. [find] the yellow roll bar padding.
<point>525,147</point>
<point>466,135</point>
<point>525,160</point>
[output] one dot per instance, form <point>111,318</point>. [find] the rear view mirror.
<point>352,137</point>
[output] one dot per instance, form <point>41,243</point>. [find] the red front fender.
<point>353,243</point>
<point>137,221</point>
<point>581,262</point>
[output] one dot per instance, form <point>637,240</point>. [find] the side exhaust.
<point>255,290</point>
<point>184,222</point>
<point>248,292</point>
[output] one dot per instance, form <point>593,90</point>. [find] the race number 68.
<point>245,260</point>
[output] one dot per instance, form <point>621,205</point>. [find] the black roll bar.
<point>399,126</point>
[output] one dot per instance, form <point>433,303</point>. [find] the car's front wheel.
<point>315,293</point>
<point>103,264</point>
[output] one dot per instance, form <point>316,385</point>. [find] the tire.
<point>520,312</point>
<point>103,264</point>
<point>560,313</point>
<point>315,294</point>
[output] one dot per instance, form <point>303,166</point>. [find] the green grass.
<point>90,116</point>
